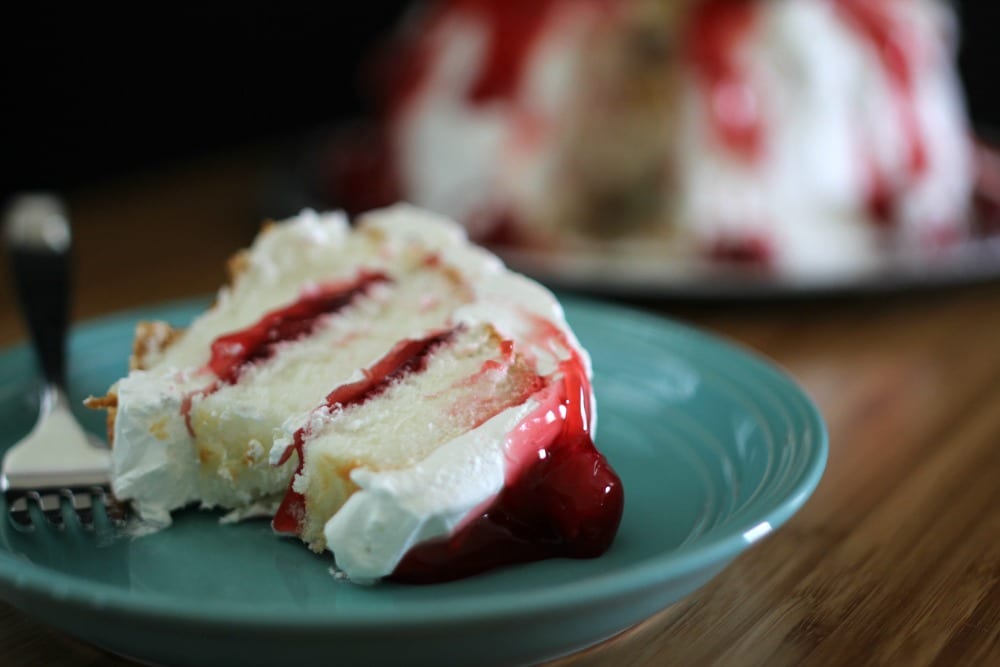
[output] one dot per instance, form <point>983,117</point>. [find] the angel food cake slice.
<point>389,392</point>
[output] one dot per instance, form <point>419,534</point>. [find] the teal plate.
<point>715,447</point>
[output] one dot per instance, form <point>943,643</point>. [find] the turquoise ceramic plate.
<point>715,447</point>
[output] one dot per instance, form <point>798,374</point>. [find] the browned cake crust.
<point>237,265</point>
<point>108,402</point>
<point>151,341</point>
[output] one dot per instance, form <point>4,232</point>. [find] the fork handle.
<point>39,239</point>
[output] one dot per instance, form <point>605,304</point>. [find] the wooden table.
<point>895,560</point>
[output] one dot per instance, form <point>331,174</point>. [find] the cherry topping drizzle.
<point>561,497</point>
<point>233,353</point>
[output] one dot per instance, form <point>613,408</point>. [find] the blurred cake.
<point>808,137</point>
<point>390,393</point>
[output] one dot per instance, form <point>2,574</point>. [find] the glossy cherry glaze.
<point>561,497</point>
<point>408,356</point>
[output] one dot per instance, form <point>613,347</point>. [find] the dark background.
<point>90,96</point>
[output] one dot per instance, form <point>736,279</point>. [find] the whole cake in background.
<point>805,137</point>
<point>389,392</point>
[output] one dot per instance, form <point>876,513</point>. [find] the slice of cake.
<point>390,393</point>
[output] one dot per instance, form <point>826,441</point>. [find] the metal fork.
<point>58,465</point>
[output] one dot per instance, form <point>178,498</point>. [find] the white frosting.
<point>153,460</point>
<point>156,460</point>
<point>397,509</point>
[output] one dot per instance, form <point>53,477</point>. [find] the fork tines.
<point>79,500</point>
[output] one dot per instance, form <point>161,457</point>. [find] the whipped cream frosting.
<point>155,460</point>
<point>151,466</point>
<point>396,509</point>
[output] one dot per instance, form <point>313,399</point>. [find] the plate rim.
<point>40,582</point>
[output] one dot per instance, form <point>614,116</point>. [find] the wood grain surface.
<point>894,561</point>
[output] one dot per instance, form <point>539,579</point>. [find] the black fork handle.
<point>39,242</point>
